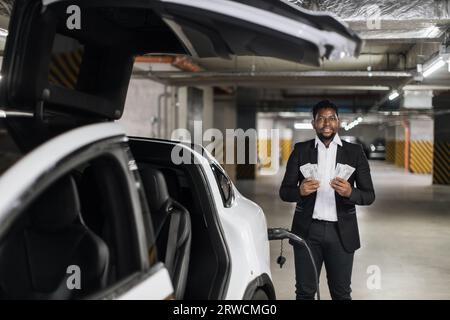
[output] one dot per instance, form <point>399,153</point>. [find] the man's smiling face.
<point>326,123</point>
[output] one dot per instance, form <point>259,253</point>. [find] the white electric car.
<point>87,212</point>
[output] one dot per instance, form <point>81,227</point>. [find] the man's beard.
<point>323,138</point>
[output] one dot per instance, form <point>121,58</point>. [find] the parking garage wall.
<point>140,117</point>
<point>155,110</point>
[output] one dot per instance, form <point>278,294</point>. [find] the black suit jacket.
<point>363,194</point>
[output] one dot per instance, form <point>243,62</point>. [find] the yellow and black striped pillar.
<point>441,160</point>
<point>286,139</point>
<point>264,152</point>
<point>64,68</point>
<point>441,149</point>
<point>286,148</point>
<point>421,145</point>
<point>421,156</point>
<point>390,151</point>
<point>399,159</point>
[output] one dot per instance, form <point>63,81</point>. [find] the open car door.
<point>69,62</point>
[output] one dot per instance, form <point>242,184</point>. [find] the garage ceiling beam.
<point>281,79</point>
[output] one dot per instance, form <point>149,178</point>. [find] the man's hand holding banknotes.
<point>311,182</point>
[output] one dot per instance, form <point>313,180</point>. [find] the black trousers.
<point>325,244</point>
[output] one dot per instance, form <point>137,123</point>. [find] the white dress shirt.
<point>325,206</point>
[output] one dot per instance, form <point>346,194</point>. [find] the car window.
<point>76,239</point>
<point>224,184</point>
<point>9,152</point>
<point>65,61</point>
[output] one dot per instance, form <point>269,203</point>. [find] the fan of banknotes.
<point>309,171</point>
<point>343,171</point>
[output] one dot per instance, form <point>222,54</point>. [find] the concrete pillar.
<point>414,148</point>
<point>421,145</point>
<point>246,120</point>
<point>441,148</point>
<point>390,143</point>
<point>264,146</point>
<point>208,107</point>
<point>182,108</point>
<point>225,118</point>
<point>286,144</point>
<point>399,158</point>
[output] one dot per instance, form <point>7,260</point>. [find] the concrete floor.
<point>405,234</point>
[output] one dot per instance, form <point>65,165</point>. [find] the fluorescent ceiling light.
<point>303,125</point>
<point>352,124</point>
<point>287,114</point>
<point>433,66</point>
<point>393,95</point>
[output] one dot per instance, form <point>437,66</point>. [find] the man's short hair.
<point>322,105</point>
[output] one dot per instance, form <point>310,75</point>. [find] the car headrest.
<point>155,187</point>
<point>57,207</point>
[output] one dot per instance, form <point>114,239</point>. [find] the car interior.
<point>82,219</point>
<point>208,262</point>
<point>172,224</point>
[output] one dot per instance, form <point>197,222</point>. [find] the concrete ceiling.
<point>408,33</point>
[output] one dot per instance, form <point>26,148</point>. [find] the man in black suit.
<point>325,215</point>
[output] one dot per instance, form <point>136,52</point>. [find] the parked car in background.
<point>378,149</point>
<point>353,139</point>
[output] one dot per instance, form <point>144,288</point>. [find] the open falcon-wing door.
<point>73,59</point>
<point>262,28</point>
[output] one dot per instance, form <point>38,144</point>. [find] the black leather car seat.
<point>35,257</point>
<point>172,226</point>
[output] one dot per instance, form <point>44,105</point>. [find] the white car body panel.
<point>245,232</point>
<point>158,286</point>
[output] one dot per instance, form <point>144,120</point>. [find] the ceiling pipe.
<point>183,63</point>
